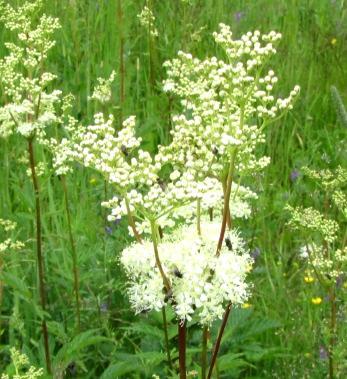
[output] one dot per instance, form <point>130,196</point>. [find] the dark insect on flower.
<point>177,273</point>
<point>108,229</point>
<point>162,184</point>
<point>215,151</point>
<point>144,311</point>
<point>228,243</point>
<point>255,253</point>
<point>124,150</point>
<point>168,295</point>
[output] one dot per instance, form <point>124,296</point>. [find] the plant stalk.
<point>166,335</point>
<point>74,255</point>
<point>227,193</point>
<point>182,329</point>
<point>121,59</point>
<point>132,222</point>
<point>204,352</point>
<point>40,263</point>
<point>166,281</point>
<point>218,341</point>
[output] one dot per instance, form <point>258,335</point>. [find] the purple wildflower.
<point>103,307</point>
<point>294,175</point>
<point>238,16</point>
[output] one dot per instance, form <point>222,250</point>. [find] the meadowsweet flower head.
<point>201,282</point>
<point>220,101</point>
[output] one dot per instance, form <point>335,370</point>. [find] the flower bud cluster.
<point>147,20</point>
<point>313,221</point>
<point>325,243</point>
<point>9,244</point>
<point>221,99</point>
<point>21,362</point>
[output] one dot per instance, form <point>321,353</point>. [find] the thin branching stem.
<point>227,193</point>
<point>131,221</point>
<point>219,340</point>
<point>166,281</point>
<point>121,58</point>
<point>40,263</point>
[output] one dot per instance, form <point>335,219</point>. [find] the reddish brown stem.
<point>227,193</point>
<point>219,340</point>
<point>205,334</point>
<point>182,328</point>
<point>40,264</point>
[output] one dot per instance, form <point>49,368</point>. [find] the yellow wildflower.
<point>309,279</point>
<point>246,305</point>
<point>316,300</point>
<point>92,180</point>
<point>333,41</point>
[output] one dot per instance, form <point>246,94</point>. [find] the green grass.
<point>290,330</point>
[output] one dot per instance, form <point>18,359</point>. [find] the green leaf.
<point>71,350</point>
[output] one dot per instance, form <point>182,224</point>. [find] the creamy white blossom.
<point>202,283</point>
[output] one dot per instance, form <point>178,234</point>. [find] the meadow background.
<point>281,333</point>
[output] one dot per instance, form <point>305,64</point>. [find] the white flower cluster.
<point>201,282</point>
<point>331,264</point>
<point>312,220</point>
<point>147,20</point>
<point>20,362</point>
<point>31,107</point>
<point>325,243</point>
<point>221,101</point>
<point>9,244</point>
<point>102,91</point>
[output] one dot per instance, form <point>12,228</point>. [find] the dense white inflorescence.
<point>226,104</point>
<point>31,107</point>
<point>201,282</point>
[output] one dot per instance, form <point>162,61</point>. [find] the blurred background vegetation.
<point>281,334</point>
